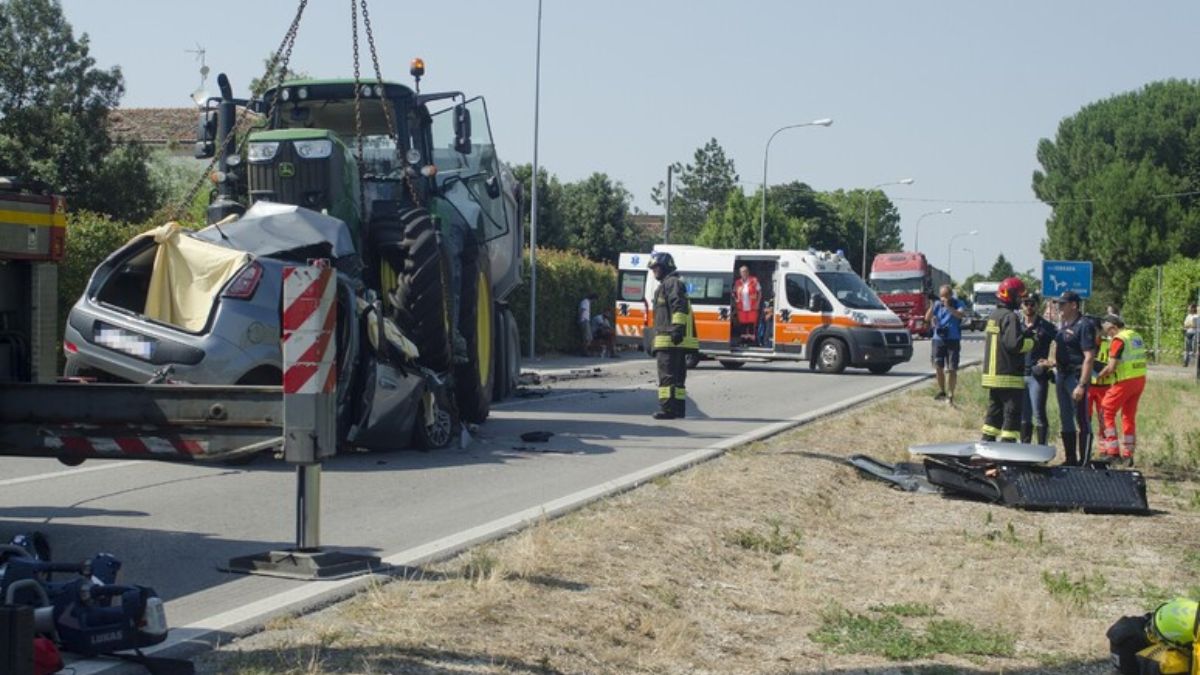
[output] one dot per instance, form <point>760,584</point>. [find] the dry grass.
<point>780,558</point>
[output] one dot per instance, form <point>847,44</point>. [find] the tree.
<point>271,76</point>
<point>552,232</point>
<point>54,104</point>
<point>813,221</point>
<point>1118,175</point>
<point>1001,269</point>
<point>849,207</point>
<point>596,211</point>
<point>702,187</point>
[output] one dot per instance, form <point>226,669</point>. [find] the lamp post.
<point>950,248</point>
<point>917,229</point>
<point>972,252</point>
<point>762,216</point>
<point>867,215</point>
<point>533,205</point>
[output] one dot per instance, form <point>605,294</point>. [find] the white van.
<point>815,308</point>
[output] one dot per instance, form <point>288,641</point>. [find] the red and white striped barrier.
<point>127,446</point>
<point>309,318</point>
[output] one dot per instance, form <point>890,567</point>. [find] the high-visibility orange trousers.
<point>1122,396</point>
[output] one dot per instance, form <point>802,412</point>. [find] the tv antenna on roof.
<point>201,94</point>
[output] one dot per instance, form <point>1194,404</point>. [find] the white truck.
<point>983,301</point>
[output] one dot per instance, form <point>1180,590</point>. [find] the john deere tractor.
<point>432,211</point>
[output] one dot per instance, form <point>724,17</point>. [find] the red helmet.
<point>1011,290</point>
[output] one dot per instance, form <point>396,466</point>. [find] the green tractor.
<point>431,209</point>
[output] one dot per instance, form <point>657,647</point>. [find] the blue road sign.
<point>1059,276</point>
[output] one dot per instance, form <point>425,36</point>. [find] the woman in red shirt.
<point>746,296</point>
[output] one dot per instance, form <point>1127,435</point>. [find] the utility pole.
<point>533,206</point>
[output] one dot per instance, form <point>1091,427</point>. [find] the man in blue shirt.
<point>945,316</point>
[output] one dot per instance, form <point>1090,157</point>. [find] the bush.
<point>563,279</point>
<point>1181,280</point>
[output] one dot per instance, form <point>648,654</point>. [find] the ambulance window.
<point>797,294</point>
<point>707,289</point>
<point>632,285</point>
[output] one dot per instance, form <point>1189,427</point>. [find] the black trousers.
<point>1003,418</point>
<point>672,376</point>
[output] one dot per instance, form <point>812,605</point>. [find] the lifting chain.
<point>279,60</point>
<point>390,121</point>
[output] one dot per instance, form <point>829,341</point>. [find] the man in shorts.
<point>945,317</point>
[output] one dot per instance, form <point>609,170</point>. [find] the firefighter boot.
<point>1041,434</point>
<point>1026,432</point>
<point>1070,441</point>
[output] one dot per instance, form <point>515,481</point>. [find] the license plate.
<point>124,341</point>
<point>897,352</point>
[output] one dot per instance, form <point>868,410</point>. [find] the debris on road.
<point>536,436</point>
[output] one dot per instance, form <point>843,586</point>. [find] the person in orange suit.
<point>747,294</point>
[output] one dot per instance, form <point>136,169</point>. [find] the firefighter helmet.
<point>1174,622</point>
<point>1010,291</point>
<point>662,259</point>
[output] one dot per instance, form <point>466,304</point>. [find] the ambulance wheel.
<point>831,356</point>
<point>879,368</point>
<point>732,365</point>
<point>476,318</point>
<point>692,359</point>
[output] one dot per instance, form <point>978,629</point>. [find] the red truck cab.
<point>906,282</point>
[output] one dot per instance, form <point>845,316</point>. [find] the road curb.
<point>193,639</point>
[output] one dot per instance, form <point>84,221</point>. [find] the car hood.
<point>288,232</point>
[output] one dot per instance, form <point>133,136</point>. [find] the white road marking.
<point>120,464</point>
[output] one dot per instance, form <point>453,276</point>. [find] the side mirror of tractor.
<point>462,129</point>
<point>206,135</point>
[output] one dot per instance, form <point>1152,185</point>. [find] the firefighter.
<point>1127,363</point>
<point>1006,341</point>
<point>674,336</point>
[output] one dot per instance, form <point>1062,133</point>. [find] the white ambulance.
<point>813,308</point>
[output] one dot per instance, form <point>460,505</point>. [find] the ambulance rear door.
<point>632,312</point>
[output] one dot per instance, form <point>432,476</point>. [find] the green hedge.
<point>91,237</point>
<point>563,279</point>
<point>1181,280</point>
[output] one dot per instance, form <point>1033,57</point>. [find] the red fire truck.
<point>906,282</point>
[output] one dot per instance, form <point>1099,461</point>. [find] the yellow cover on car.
<point>188,274</point>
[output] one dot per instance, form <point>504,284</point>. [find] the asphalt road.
<point>173,526</point>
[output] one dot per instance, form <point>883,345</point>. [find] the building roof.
<point>153,126</point>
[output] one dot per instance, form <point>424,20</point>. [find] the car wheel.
<point>879,368</point>
<point>831,356</point>
<point>732,365</point>
<point>692,359</point>
<point>437,432</point>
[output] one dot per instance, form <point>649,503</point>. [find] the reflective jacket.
<point>1132,363</point>
<point>1101,362</point>
<point>671,308</point>
<point>1003,351</point>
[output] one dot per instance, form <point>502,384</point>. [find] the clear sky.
<point>954,94</point>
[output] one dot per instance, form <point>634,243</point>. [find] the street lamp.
<point>972,252</point>
<point>762,217</point>
<point>950,248</point>
<point>867,215</point>
<point>917,229</point>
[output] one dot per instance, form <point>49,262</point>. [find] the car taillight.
<point>70,348</point>
<point>245,283</point>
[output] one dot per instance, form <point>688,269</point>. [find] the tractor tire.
<point>476,322</point>
<point>513,346</point>
<point>831,356</point>
<point>408,250</point>
<point>500,377</point>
